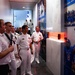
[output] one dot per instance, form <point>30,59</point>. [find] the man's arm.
<point>31,48</point>
<point>5,52</point>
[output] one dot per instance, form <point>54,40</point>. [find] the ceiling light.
<point>23,7</point>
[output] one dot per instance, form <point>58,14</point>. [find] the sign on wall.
<point>69,13</point>
<point>42,14</point>
<point>69,2</point>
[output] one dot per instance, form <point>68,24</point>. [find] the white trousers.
<point>13,67</point>
<point>26,61</point>
<point>36,50</point>
<point>13,64</point>
<point>31,30</point>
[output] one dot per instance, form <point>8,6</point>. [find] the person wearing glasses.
<point>5,51</point>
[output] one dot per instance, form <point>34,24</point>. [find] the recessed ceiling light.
<point>23,7</point>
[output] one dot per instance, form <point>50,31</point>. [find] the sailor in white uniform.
<point>37,37</point>
<point>24,42</point>
<point>31,26</point>
<point>5,51</point>
<point>9,38</point>
<point>26,22</point>
<point>15,36</point>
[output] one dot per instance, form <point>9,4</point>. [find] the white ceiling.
<point>19,4</point>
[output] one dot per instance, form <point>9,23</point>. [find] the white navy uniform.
<point>23,41</point>
<point>36,36</point>
<point>26,23</point>
<point>3,46</point>
<point>13,64</point>
<point>15,36</point>
<point>31,26</point>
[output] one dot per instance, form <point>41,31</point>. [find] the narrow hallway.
<point>39,69</point>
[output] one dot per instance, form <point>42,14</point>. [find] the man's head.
<point>30,20</point>
<point>20,29</point>
<point>37,29</point>
<point>26,20</point>
<point>2,26</point>
<point>1,22</point>
<point>65,39</point>
<point>12,29</point>
<point>25,28</point>
<point>8,26</point>
<point>68,43</point>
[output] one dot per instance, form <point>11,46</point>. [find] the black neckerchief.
<point>10,38</point>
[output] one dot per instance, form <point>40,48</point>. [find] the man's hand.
<point>11,48</point>
<point>31,51</point>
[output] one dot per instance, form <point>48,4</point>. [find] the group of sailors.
<point>16,49</point>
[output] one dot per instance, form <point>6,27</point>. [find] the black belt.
<point>36,42</point>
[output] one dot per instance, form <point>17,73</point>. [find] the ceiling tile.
<point>19,4</point>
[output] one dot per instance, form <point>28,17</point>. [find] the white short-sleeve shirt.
<point>23,41</point>
<point>3,46</point>
<point>37,36</point>
<point>8,42</point>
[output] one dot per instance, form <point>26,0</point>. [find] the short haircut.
<point>24,26</point>
<point>6,23</point>
<point>37,26</point>
<point>1,22</point>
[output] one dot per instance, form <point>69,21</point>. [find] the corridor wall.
<point>54,47</point>
<point>35,16</point>
<point>5,11</point>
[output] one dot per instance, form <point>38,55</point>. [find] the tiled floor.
<point>40,69</point>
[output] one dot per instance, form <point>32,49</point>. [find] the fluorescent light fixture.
<point>23,7</point>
